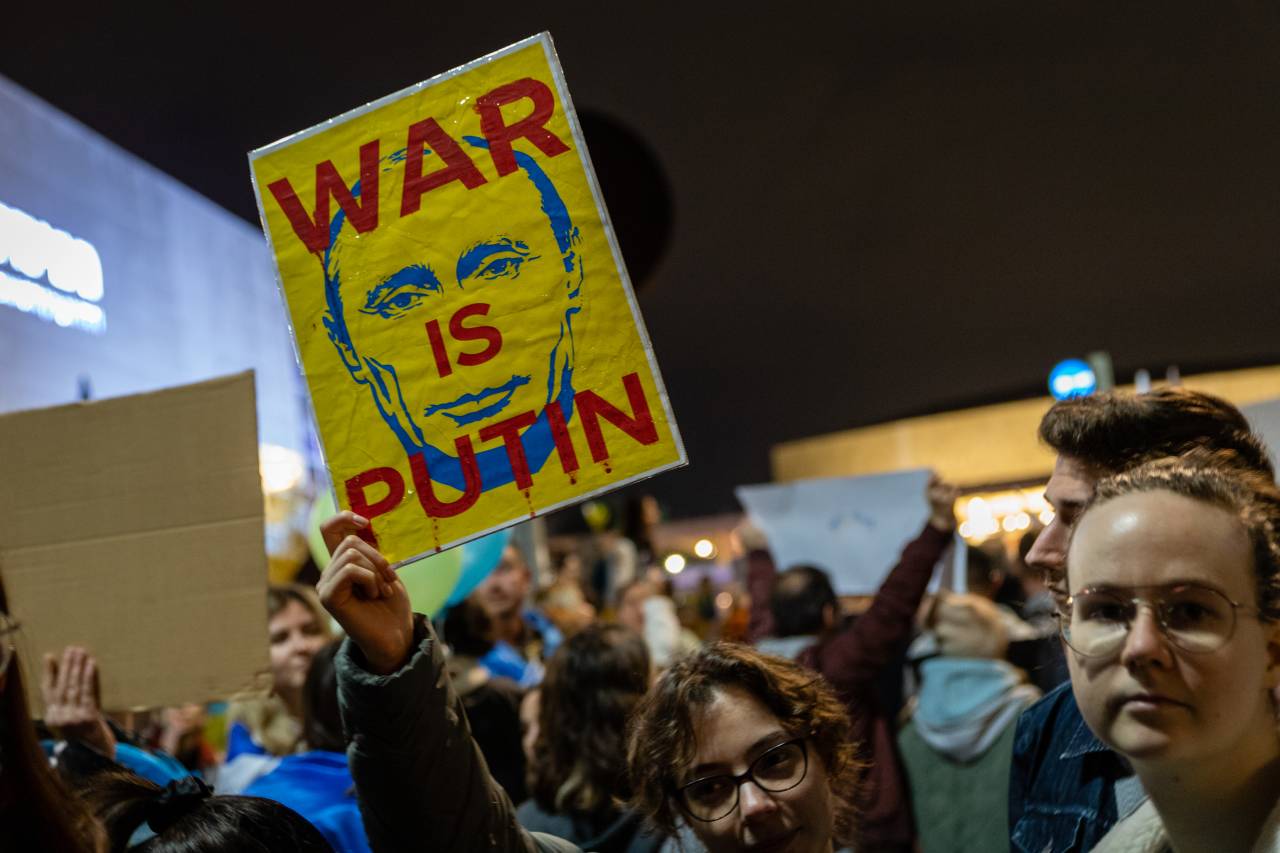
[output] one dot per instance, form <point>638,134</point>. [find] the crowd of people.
<point>1114,690</point>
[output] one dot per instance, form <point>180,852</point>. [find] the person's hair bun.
<point>178,799</point>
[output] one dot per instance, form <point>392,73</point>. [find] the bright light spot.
<point>674,564</point>
<point>1072,378</point>
<point>724,600</point>
<point>1046,517</point>
<point>978,508</point>
<point>31,247</point>
<point>78,268</point>
<point>35,251</point>
<point>280,467</point>
<point>986,515</point>
<point>704,548</point>
<point>1003,505</point>
<point>978,530</point>
<point>30,297</point>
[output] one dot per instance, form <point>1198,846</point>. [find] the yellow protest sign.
<point>461,311</point>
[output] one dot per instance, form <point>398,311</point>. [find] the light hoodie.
<point>965,704</point>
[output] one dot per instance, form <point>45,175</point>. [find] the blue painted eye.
<point>398,302</point>
<point>508,267</point>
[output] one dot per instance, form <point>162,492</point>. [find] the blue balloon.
<point>479,558</point>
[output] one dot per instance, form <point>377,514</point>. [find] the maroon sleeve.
<point>760,576</point>
<point>851,660</point>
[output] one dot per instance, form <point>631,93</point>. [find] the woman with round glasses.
<point>1174,574</point>
<point>750,750</point>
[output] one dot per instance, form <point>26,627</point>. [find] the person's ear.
<point>828,616</point>
<point>345,350</point>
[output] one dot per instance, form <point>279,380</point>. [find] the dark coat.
<point>421,781</point>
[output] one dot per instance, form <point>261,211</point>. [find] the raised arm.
<point>854,657</point>
<point>72,709</point>
<point>421,781</point>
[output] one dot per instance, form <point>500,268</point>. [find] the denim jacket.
<point>1062,794</point>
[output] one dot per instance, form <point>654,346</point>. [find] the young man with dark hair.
<point>1108,433</point>
<point>1066,788</point>
<point>853,656</point>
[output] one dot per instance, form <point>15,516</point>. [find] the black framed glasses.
<point>777,769</point>
<point>1194,618</point>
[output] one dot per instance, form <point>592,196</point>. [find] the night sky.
<point>838,216</point>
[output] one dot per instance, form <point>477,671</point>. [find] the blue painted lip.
<point>503,392</point>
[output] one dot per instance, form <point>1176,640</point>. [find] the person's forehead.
<point>451,219</point>
<point>1072,478</point>
<point>1152,538</point>
<point>729,725</point>
<point>294,612</point>
<point>511,559</point>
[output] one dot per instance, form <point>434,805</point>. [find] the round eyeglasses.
<point>1196,619</point>
<point>775,770</point>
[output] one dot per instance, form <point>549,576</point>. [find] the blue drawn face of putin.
<point>509,245</point>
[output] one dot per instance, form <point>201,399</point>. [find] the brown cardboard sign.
<point>133,526</point>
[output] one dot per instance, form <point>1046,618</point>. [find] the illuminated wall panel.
<point>113,271</point>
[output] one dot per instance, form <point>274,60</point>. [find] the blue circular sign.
<point>1072,378</point>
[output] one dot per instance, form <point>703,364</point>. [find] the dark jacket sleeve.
<point>421,781</point>
<point>761,572</point>
<point>852,659</point>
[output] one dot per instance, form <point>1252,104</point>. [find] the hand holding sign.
<point>360,590</point>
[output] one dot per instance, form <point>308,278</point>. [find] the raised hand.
<point>942,502</point>
<point>361,591</point>
<point>71,699</point>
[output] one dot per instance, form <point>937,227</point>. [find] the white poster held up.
<point>854,528</point>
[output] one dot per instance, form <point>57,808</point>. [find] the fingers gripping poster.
<point>469,336</point>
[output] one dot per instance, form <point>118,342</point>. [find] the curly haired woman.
<point>750,751</point>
